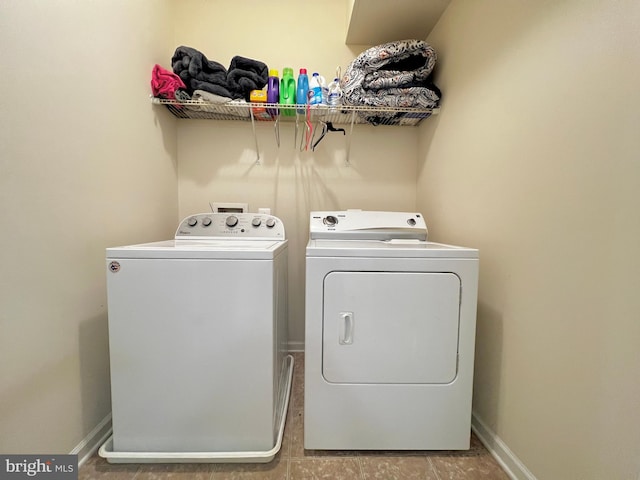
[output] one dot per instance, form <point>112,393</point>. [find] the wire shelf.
<point>268,112</point>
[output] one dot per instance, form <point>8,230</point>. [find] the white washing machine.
<point>198,339</point>
<point>390,330</point>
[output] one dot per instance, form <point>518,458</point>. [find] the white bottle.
<point>316,85</point>
<point>334,95</point>
<point>325,90</point>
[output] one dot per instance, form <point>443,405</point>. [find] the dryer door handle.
<point>345,336</point>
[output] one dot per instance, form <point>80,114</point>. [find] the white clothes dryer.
<point>390,331</point>
<point>198,340</point>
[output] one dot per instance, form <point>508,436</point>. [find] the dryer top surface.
<point>391,248</point>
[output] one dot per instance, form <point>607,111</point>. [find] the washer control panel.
<point>231,225</point>
<point>367,225</point>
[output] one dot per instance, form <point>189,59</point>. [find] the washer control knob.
<point>232,221</point>
<point>256,222</point>
<point>206,221</point>
<point>192,222</point>
<point>330,220</point>
<point>270,223</point>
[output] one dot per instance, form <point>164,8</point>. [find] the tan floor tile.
<point>275,470</point>
<point>476,448</point>
<point>397,468</point>
<point>320,454</point>
<point>324,469</point>
<point>479,467</point>
<point>97,468</point>
<point>175,471</point>
<point>297,392</point>
<point>299,357</point>
<point>476,444</point>
<point>297,389</point>
<point>293,462</point>
<point>296,432</point>
<point>394,453</point>
<point>293,414</point>
<point>298,366</point>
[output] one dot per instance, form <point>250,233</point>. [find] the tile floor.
<point>294,463</point>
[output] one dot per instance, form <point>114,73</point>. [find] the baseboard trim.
<point>90,444</point>
<point>296,346</point>
<point>510,463</point>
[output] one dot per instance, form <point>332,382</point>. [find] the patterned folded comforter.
<point>395,74</point>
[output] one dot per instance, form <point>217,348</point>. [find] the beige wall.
<point>534,160</point>
<point>85,163</point>
<point>217,159</point>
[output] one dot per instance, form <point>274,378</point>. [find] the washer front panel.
<point>390,327</point>
<point>190,347</point>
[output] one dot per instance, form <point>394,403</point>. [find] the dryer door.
<point>390,327</point>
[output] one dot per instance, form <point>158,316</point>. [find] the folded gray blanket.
<point>395,74</point>
<point>199,73</point>
<point>245,75</point>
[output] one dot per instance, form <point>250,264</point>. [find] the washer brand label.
<point>50,467</point>
<point>114,267</point>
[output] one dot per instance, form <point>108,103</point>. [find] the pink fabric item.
<point>165,83</point>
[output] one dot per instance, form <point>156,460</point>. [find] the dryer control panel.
<point>231,225</point>
<point>367,225</point>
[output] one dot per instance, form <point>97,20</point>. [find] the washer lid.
<point>367,225</point>
<point>391,248</point>
<point>237,249</point>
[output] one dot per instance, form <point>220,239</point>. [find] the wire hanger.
<point>333,129</point>
<point>327,127</point>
